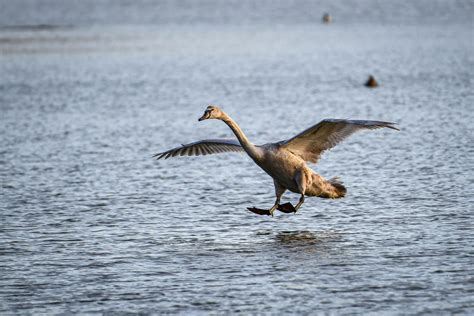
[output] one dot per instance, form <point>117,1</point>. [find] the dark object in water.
<point>327,18</point>
<point>371,82</point>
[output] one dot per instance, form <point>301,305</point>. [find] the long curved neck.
<point>253,151</point>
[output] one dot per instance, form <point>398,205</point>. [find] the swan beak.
<point>205,116</point>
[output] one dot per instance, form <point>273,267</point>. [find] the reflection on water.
<point>306,238</point>
<point>314,245</point>
<point>89,223</point>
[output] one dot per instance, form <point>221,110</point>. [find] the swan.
<point>285,161</point>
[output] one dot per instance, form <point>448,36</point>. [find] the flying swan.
<point>284,161</point>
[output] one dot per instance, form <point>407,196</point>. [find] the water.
<point>91,223</point>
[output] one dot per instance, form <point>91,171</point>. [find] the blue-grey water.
<point>90,223</point>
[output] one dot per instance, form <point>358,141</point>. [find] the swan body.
<point>285,161</point>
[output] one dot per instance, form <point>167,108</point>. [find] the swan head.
<point>211,112</point>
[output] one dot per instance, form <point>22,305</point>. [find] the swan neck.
<point>250,148</point>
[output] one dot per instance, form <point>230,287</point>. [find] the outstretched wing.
<point>311,143</point>
<point>202,147</point>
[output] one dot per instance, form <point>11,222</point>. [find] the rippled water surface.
<point>91,223</point>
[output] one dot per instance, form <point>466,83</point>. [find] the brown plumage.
<point>284,161</point>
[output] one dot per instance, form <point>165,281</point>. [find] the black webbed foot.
<point>259,211</point>
<point>286,208</point>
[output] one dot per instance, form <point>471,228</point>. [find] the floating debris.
<point>371,82</point>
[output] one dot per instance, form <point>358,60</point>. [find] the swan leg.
<point>303,179</point>
<point>279,190</point>
<point>301,201</point>
<point>260,211</point>
<point>287,207</point>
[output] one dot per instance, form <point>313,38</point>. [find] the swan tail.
<point>326,189</point>
<point>338,189</point>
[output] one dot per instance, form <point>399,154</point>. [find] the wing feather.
<point>312,142</point>
<point>205,150</point>
<point>202,147</point>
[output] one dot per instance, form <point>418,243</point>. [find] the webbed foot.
<point>259,211</point>
<point>286,208</point>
